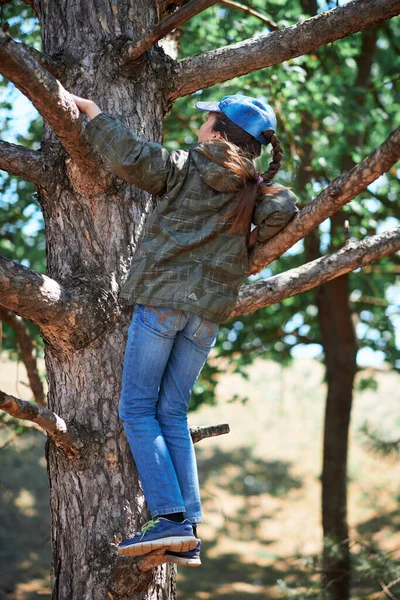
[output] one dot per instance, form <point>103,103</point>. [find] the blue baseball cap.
<point>251,114</point>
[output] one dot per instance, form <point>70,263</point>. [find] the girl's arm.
<point>147,165</point>
<point>273,211</point>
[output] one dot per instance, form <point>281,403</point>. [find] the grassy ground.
<point>260,488</point>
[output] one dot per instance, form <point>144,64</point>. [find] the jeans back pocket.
<point>165,321</point>
<point>206,333</point>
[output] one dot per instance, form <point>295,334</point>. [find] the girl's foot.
<point>160,533</point>
<point>191,558</point>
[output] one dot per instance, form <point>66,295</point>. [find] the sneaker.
<point>191,558</point>
<point>160,533</point>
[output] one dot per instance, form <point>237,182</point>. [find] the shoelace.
<point>149,525</point>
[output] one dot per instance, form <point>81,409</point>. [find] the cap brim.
<point>209,106</point>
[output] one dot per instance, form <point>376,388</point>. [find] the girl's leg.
<point>188,355</point>
<point>151,337</point>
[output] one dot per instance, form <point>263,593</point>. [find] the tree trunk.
<point>96,500</point>
<point>340,348</point>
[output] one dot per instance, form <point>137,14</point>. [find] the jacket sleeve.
<point>273,211</point>
<point>147,165</point>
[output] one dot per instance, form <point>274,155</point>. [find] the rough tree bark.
<point>92,226</point>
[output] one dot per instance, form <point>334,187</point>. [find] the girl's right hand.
<point>87,107</point>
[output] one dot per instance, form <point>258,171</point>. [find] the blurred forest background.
<point>271,371</point>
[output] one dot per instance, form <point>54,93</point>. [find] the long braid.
<point>277,155</point>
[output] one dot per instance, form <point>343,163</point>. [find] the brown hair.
<point>241,144</point>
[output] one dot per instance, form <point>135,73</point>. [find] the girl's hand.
<point>88,107</point>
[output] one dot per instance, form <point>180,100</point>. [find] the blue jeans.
<point>165,352</point>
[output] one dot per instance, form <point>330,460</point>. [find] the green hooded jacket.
<point>186,258</point>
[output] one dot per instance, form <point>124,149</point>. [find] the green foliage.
<point>367,383</point>
<point>370,568</point>
<point>376,443</point>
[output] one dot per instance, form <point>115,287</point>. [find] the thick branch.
<point>192,74</point>
<point>64,435</point>
<point>51,100</point>
<point>31,294</point>
<point>295,281</point>
<point>337,194</point>
<point>24,339</point>
<point>66,317</point>
<point>27,164</point>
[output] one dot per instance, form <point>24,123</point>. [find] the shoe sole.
<point>176,544</point>
<point>187,562</point>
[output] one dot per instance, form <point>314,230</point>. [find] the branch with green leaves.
<point>192,74</point>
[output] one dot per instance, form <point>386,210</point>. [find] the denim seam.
<point>167,511</point>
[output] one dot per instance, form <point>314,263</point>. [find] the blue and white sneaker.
<point>191,558</point>
<point>160,533</point>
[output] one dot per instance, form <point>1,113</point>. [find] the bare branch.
<point>337,194</point>
<point>200,433</point>
<point>54,104</point>
<point>351,256</point>
<point>248,10</point>
<point>24,339</point>
<point>64,435</point>
<point>192,74</point>
<point>25,163</point>
<point>387,592</point>
<point>134,50</point>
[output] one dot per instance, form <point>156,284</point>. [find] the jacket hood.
<point>213,174</point>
